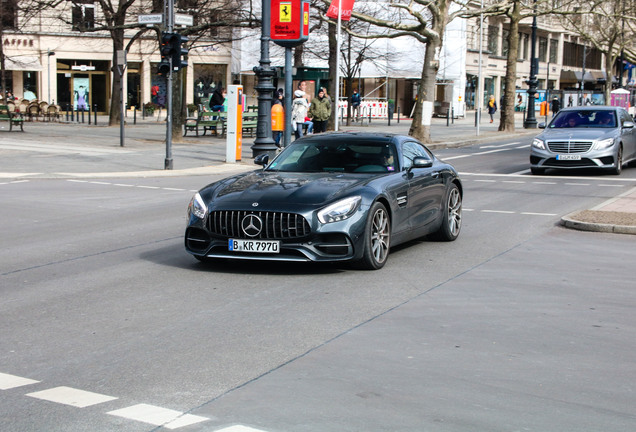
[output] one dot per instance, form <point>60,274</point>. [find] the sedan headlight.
<point>339,210</point>
<point>538,143</point>
<point>197,207</point>
<point>603,144</point>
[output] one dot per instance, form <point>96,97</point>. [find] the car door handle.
<point>435,174</point>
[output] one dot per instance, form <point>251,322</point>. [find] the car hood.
<point>265,187</point>
<point>578,134</point>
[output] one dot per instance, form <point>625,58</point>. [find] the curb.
<point>569,221</point>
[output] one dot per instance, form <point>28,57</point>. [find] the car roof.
<point>353,137</point>
<point>591,108</point>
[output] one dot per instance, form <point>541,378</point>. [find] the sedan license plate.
<point>257,246</point>
<point>568,157</point>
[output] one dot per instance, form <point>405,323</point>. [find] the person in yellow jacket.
<point>492,108</point>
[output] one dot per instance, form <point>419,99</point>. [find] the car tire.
<point>377,238</point>
<point>619,162</point>
<point>537,171</point>
<point>452,216</point>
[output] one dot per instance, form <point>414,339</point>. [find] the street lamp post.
<point>531,120</point>
<point>264,143</point>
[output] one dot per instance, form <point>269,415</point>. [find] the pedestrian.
<point>492,108</point>
<point>555,105</point>
<point>218,98</point>
<point>299,112</point>
<point>278,117</point>
<point>355,104</point>
<point>320,111</point>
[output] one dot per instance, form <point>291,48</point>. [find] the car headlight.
<point>197,207</point>
<point>603,144</point>
<point>339,210</point>
<point>538,143</point>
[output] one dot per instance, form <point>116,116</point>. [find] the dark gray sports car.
<point>328,197</point>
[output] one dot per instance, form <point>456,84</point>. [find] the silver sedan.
<point>585,137</point>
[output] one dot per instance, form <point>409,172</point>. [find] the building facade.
<point>48,58</point>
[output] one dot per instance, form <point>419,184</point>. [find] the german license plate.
<point>257,246</point>
<point>568,157</point>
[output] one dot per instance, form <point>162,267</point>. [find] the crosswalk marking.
<point>157,416</point>
<point>8,381</point>
<point>71,396</point>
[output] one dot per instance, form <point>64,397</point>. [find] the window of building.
<point>83,15</point>
<point>493,39</point>
<point>554,47</point>
<point>8,13</point>
<point>505,43</point>
<point>543,49</point>
<point>526,46</point>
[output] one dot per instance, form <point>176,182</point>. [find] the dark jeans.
<point>320,126</point>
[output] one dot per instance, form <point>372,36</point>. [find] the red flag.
<point>345,5</point>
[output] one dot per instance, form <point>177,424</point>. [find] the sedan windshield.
<point>584,119</point>
<point>336,156</point>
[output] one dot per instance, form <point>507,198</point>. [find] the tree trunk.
<point>507,122</point>
<point>421,125</point>
<point>115,102</point>
<point>178,104</point>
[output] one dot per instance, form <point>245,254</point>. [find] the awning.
<point>599,75</point>
<point>575,76</point>
<point>22,63</point>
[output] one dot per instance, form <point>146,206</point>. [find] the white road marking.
<point>498,211</point>
<point>513,181</point>
<point>577,184</point>
<point>500,145</point>
<point>538,214</point>
<point>71,396</point>
<point>158,416</point>
<point>486,181</point>
<point>45,147</point>
<point>614,185</point>
<point>239,428</point>
<point>8,381</point>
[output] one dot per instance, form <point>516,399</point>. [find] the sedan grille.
<point>266,225</point>
<point>569,146</point>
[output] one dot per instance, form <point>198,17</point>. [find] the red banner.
<point>345,5</point>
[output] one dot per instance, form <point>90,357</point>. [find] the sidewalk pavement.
<point>79,150</point>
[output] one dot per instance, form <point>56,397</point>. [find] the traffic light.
<point>166,53</point>
<point>179,52</point>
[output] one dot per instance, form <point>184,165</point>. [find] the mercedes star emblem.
<point>251,225</point>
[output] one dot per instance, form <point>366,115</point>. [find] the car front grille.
<point>569,146</point>
<point>272,225</point>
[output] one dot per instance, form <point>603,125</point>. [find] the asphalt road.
<point>520,324</point>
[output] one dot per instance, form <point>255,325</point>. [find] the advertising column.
<point>234,142</point>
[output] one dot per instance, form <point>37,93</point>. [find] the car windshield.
<point>584,119</point>
<point>336,156</point>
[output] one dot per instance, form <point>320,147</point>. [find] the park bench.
<point>207,120</point>
<point>250,122</point>
<point>13,118</point>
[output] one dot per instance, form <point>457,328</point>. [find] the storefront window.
<point>207,77</point>
<point>30,85</point>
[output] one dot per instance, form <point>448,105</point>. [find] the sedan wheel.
<point>619,162</point>
<point>452,218</point>
<point>377,238</point>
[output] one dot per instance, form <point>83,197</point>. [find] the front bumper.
<point>605,159</point>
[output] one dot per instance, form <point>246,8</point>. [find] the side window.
<point>410,150</point>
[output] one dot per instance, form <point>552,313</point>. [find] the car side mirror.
<point>628,124</point>
<point>262,159</point>
<point>541,125</point>
<point>421,162</point>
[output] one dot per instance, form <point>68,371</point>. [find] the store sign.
<point>83,68</point>
<point>289,22</point>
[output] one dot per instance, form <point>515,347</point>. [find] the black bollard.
<point>95,113</point>
<point>398,120</point>
<point>135,114</point>
<point>453,115</point>
<point>67,116</point>
<point>89,114</point>
<point>448,113</point>
<point>83,115</point>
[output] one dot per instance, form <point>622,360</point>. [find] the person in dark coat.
<point>218,97</point>
<point>555,105</point>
